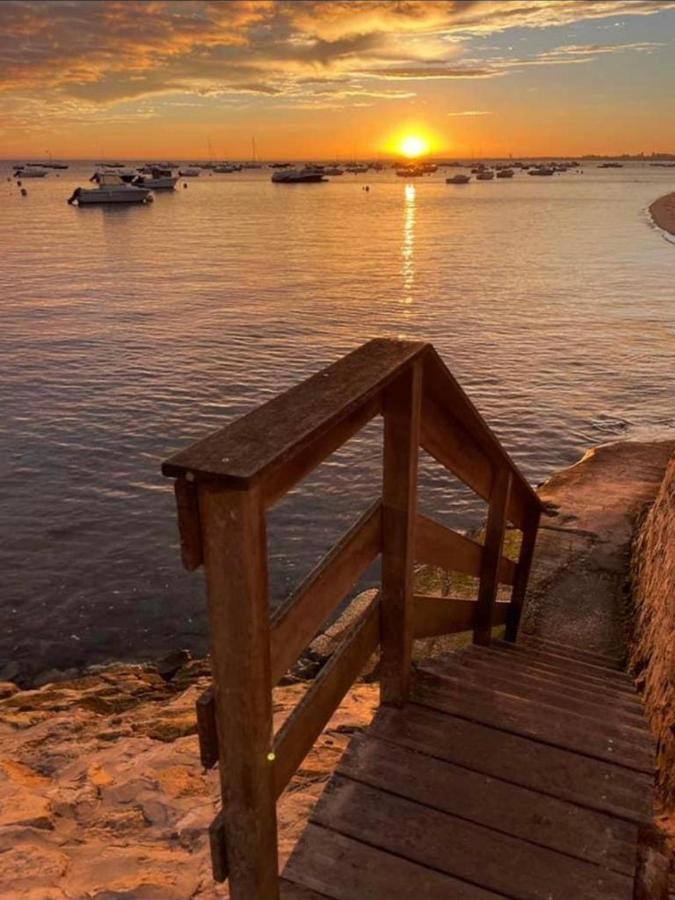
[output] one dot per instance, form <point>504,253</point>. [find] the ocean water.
<point>125,333</point>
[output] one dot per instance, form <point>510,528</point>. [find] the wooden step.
<point>612,676</point>
<point>479,661</point>
<point>504,807</point>
<point>556,667</point>
<point>459,848</point>
<point>553,726</point>
<point>552,694</point>
<point>600,659</point>
<point>555,771</point>
<point>342,868</point>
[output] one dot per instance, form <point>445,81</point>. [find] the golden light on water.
<point>414,145</point>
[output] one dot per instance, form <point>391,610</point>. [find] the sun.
<point>412,146</point>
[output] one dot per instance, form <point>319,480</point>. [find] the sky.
<point>335,78</point>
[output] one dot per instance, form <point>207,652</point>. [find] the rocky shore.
<point>663,212</point>
<point>101,791</point>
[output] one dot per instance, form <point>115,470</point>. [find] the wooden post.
<point>401,410</point>
<point>235,560</point>
<point>492,555</point>
<point>522,574</point>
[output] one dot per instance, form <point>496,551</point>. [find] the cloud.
<point>104,52</point>
<point>472,112</point>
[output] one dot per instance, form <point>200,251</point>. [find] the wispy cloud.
<point>472,112</point>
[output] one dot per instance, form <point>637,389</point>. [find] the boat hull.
<point>99,196</point>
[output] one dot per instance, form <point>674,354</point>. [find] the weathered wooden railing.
<point>224,485</point>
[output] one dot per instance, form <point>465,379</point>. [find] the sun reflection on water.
<point>408,249</point>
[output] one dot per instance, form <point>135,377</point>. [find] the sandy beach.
<point>663,212</point>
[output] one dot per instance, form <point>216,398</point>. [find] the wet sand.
<point>663,212</point>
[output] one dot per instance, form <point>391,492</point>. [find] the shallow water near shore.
<point>126,333</point>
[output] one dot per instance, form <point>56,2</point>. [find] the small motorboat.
<point>158,179</point>
<point>410,172</point>
<point>611,165</point>
<point>485,175</point>
<point>458,179</point>
<point>127,175</point>
<point>30,171</point>
<point>505,173</point>
<point>332,170</point>
<point>226,168</point>
<point>110,189</point>
<point>306,175</point>
<point>542,170</point>
<point>189,172</point>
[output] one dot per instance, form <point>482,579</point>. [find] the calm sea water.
<point>127,332</point>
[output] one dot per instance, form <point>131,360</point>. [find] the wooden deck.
<point>523,771</point>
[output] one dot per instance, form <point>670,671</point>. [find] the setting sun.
<point>413,145</point>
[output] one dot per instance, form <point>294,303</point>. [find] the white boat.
<point>298,176</point>
<point>189,172</point>
<point>226,169</point>
<point>458,179</point>
<point>110,189</point>
<point>30,172</point>
<point>127,175</point>
<point>158,179</point>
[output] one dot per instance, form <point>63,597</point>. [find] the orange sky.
<point>335,79</point>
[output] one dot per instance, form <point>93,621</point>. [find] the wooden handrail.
<point>224,485</point>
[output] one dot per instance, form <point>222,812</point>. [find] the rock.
<point>168,665</point>
<point>7,689</point>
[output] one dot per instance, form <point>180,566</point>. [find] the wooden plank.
<point>345,869</point>
<point>525,557</point>
<point>492,555</point>
<point>275,433</point>
<point>220,868</point>
<point>567,650</point>
<point>463,849</point>
<point>588,782</point>
<point>235,562</point>
<point>437,545</point>
<point>399,499</point>
<point>542,820</point>
<point>623,692</point>
<point>611,676</point>
<point>446,391</point>
<point>189,528</point>
<point>554,727</point>
<point>296,623</point>
<point>601,714</point>
<point>300,730</point>
<point>522,679</point>
<point>206,728</point>
<point>447,615</point>
<point>290,891</point>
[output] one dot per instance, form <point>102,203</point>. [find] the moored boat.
<point>306,175</point>
<point>29,171</point>
<point>485,175</point>
<point>158,179</point>
<point>189,172</point>
<point>110,189</point>
<point>458,179</point>
<point>505,173</point>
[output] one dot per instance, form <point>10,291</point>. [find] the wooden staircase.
<point>516,768</point>
<point>521,771</point>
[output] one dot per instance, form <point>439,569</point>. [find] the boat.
<point>110,189</point>
<point>611,165</point>
<point>30,172</point>
<point>485,175</point>
<point>505,173</point>
<point>458,179</point>
<point>332,170</point>
<point>226,168</point>
<point>356,168</point>
<point>158,179</point>
<point>127,175</point>
<point>410,172</point>
<point>541,170</point>
<point>189,172</point>
<point>306,175</point>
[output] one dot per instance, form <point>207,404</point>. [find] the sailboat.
<point>253,164</point>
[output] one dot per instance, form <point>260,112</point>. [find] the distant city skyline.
<point>335,80</point>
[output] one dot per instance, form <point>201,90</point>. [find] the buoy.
<point>184,184</point>
<point>24,192</point>
<point>19,183</point>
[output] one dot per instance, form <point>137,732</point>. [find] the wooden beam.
<point>402,403</point>
<point>250,448</point>
<point>439,546</point>
<point>492,555</point>
<point>235,562</point>
<point>189,528</point>
<point>299,732</point>
<point>206,728</point>
<point>527,546</point>
<point>296,623</point>
<point>448,615</point>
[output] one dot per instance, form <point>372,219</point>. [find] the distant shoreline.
<point>663,212</point>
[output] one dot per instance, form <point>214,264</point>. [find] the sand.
<point>663,212</point>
